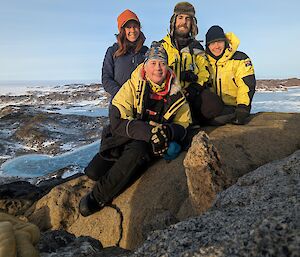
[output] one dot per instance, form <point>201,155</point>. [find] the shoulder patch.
<point>239,56</point>
<point>248,63</point>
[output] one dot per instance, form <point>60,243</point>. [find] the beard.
<point>180,33</point>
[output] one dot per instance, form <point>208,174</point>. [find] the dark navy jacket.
<point>116,71</point>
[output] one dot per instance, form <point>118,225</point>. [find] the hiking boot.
<point>88,205</point>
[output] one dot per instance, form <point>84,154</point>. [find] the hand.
<point>192,91</point>
<point>159,139</point>
<point>188,76</point>
<point>241,113</point>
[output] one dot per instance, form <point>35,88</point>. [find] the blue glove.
<point>173,151</point>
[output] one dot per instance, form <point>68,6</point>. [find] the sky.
<point>67,39</point>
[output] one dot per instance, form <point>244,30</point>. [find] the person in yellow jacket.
<point>148,115</point>
<point>232,75</point>
<point>186,57</point>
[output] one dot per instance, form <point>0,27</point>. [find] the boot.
<point>88,205</point>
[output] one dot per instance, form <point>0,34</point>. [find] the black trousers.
<point>205,105</point>
<point>113,177</point>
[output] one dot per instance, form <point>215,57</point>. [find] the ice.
<point>36,165</point>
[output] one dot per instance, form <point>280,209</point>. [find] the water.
<point>282,101</point>
<point>34,165</point>
<point>18,87</point>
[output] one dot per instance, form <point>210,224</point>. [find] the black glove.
<point>160,136</point>
<point>192,91</point>
<point>241,113</point>
<point>188,76</point>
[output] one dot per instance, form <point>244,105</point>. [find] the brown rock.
<point>267,137</point>
<point>164,192</point>
<point>205,177</point>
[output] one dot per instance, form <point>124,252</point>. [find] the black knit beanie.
<point>215,33</point>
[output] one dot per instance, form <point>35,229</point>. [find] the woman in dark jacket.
<point>123,57</point>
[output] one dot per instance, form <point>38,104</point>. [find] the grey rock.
<point>258,216</point>
<point>59,243</point>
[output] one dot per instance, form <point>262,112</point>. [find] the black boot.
<point>88,205</point>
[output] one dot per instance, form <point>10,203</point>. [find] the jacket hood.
<point>233,42</point>
<point>168,39</point>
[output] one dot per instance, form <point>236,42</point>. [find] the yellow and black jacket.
<point>232,76</point>
<point>133,108</point>
<point>192,58</point>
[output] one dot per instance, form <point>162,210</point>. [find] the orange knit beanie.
<point>125,16</point>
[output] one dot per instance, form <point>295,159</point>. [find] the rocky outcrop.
<point>170,192</point>
<point>29,130</point>
<point>265,138</point>
<point>156,200</point>
<point>276,84</point>
<point>258,216</point>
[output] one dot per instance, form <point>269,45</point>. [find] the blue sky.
<point>64,39</point>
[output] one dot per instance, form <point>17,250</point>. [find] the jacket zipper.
<point>216,76</point>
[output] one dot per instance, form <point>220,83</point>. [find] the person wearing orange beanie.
<point>123,57</point>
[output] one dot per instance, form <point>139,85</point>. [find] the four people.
<point>232,75</point>
<point>157,95</point>
<point>148,113</point>
<point>122,58</point>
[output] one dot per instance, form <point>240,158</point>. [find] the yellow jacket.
<point>184,61</point>
<point>131,98</point>
<point>132,117</point>
<point>232,75</point>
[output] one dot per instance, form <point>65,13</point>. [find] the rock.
<point>203,170</point>
<point>154,201</point>
<point>18,196</point>
<point>30,130</point>
<point>61,243</point>
<point>258,216</point>
<point>165,194</point>
<point>265,138</point>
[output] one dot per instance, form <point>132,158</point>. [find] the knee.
<point>140,149</point>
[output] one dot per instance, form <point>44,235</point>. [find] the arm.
<point>202,69</point>
<point>245,81</point>
<point>122,116</point>
<point>108,71</point>
<point>180,122</point>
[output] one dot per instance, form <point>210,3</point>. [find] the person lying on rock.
<point>232,76</point>
<point>148,115</point>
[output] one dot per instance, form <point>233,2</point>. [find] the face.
<point>132,30</point>
<point>217,47</point>
<point>183,24</point>
<point>156,70</point>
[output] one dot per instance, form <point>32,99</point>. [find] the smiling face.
<point>156,70</point>
<point>217,48</point>
<point>183,24</point>
<point>132,30</point>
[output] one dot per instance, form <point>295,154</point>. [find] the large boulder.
<point>267,137</point>
<point>258,216</point>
